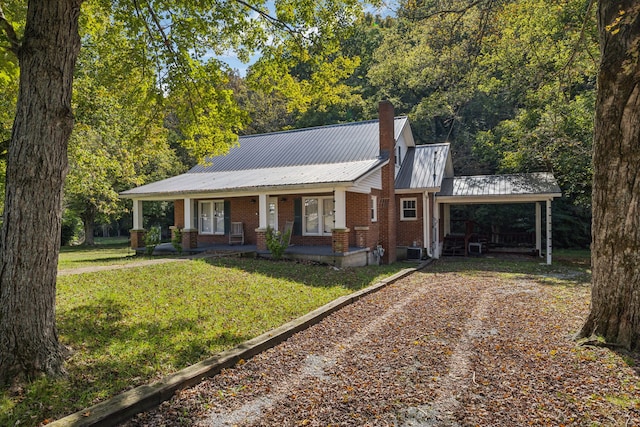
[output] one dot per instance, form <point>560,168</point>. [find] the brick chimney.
<point>387,204</point>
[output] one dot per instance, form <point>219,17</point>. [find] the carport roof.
<point>521,187</point>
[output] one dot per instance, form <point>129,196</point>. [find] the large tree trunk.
<point>36,169</point>
<point>615,300</point>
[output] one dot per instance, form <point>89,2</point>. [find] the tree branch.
<point>8,29</point>
<point>272,19</point>
<point>580,36</point>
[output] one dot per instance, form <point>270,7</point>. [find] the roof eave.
<point>507,198</point>
<point>237,192</point>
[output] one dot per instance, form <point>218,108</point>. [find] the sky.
<point>232,60</point>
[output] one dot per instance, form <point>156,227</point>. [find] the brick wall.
<point>409,231</point>
<point>358,214</point>
<point>178,213</point>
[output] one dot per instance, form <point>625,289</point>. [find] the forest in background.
<point>510,84</point>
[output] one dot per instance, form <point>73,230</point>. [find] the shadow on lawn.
<point>119,348</point>
<point>310,274</point>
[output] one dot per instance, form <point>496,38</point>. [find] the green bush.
<point>176,240</point>
<point>152,239</point>
<point>277,242</point>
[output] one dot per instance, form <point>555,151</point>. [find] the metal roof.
<point>349,142</point>
<point>322,155</point>
<point>501,186</point>
<point>290,176</point>
<point>423,167</point>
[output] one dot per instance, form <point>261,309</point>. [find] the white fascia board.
<point>407,134</point>
<point>280,190</point>
<point>417,190</point>
<point>525,198</point>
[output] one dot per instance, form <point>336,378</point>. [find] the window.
<point>319,215</point>
<point>374,208</point>
<point>399,156</point>
<point>211,219</point>
<point>408,209</point>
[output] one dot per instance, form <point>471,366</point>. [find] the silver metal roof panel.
<point>423,167</point>
<point>350,142</point>
<point>245,180</point>
<point>522,184</point>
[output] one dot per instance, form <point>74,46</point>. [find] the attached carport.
<point>536,188</point>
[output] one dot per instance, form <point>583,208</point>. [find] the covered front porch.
<point>330,225</point>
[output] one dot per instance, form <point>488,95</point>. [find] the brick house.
<point>346,190</point>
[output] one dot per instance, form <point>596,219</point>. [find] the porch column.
<point>539,229</point>
<point>263,211</point>
<point>137,232</point>
<point>190,230</point>
<point>263,222</point>
<point>340,213</point>
<point>447,219</point>
<point>137,215</point>
<point>548,231</point>
<point>188,214</point>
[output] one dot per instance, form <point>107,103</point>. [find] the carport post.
<point>548,231</point>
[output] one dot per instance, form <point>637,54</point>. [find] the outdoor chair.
<point>236,234</point>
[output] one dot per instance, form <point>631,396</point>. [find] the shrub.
<point>176,240</point>
<point>152,239</point>
<point>277,242</point>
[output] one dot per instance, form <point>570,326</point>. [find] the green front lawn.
<point>107,251</point>
<point>129,327</point>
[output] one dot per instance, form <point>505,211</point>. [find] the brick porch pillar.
<point>340,240</point>
<point>261,239</point>
<point>137,238</point>
<point>189,239</point>
<point>362,236</point>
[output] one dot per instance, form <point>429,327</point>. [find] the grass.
<point>569,267</point>
<point>130,327</point>
<point>107,251</point>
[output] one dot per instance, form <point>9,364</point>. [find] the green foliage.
<point>277,242</point>
<point>71,225</point>
<point>118,141</point>
<point>152,238</point>
<point>176,240</point>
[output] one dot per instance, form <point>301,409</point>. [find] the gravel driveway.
<point>433,349</point>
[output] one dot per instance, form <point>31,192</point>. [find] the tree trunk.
<point>615,300</point>
<point>36,169</point>
<point>88,221</point>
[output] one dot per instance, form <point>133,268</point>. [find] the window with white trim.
<point>408,209</point>
<point>211,217</point>
<point>374,208</point>
<point>319,216</point>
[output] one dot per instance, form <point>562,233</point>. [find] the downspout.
<point>426,223</point>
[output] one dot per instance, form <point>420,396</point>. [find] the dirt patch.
<point>434,349</point>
